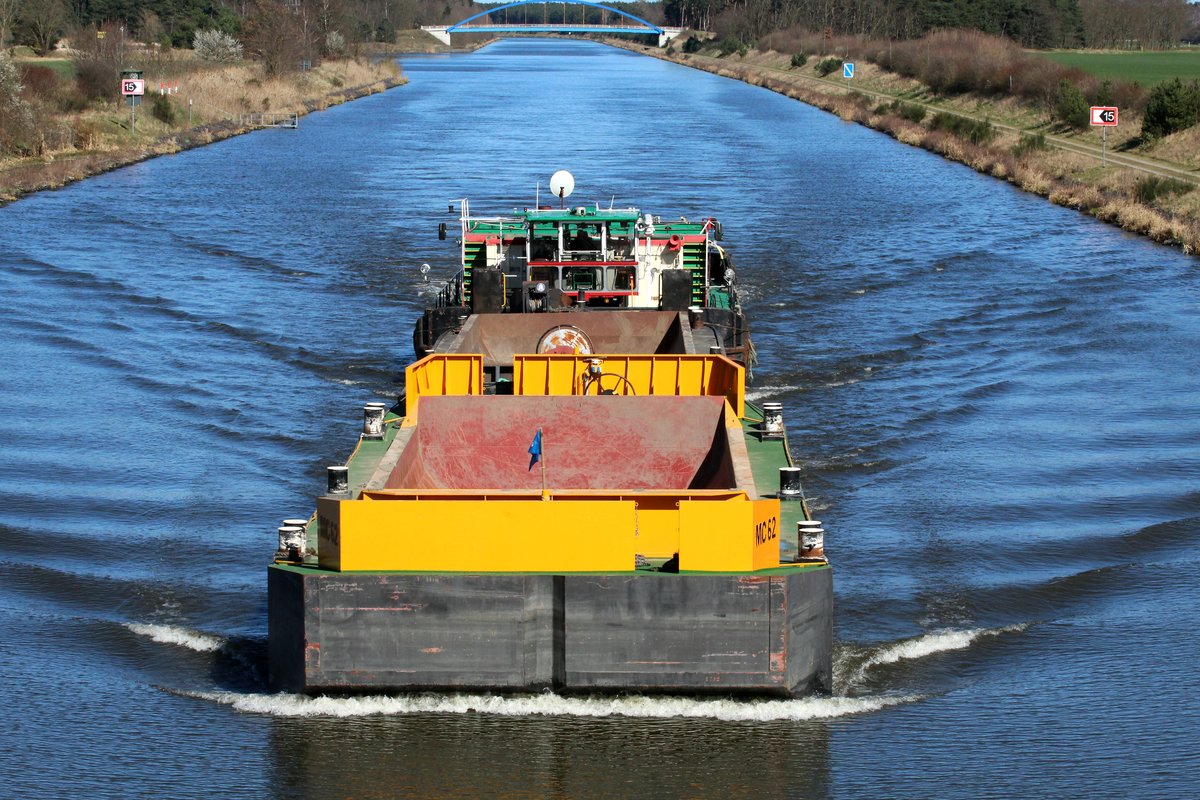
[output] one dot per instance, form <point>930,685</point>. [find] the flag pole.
<point>542,439</point>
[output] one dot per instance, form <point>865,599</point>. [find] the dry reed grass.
<point>1182,147</point>
<point>240,89</point>
<point>99,140</point>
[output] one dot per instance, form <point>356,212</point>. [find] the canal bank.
<point>1066,173</point>
<point>96,149</point>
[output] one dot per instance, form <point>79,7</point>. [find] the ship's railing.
<point>689,375</point>
<point>451,293</point>
<point>441,374</point>
<point>540,375</point>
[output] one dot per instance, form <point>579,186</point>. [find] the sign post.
<point>1104,117</point>
<point>133,87</point>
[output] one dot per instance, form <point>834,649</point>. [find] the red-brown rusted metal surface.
<point>658,442</point>
<point>499,336</point>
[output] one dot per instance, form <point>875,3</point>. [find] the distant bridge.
<point>623,23</point>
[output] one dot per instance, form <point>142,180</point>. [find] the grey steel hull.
<point>769,634</point>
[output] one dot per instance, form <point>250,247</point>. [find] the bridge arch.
<point>649,26</point>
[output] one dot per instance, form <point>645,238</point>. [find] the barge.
<point>573,492</point>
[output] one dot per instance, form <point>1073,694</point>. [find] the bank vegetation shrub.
<point>1029,143</point>
<point>163,110</point>
<point>39,81</point>
<point>1152,187</point>
<point>974,131</point>
<point>1172,106</point>
<point>912,112</point>
<point>45,88</point>
<point>798,40</point>
<point>954,61</point>
<point>69,100</point>
<point>18,127</point>
<point>216,47</point>
<point>799,60</point>
<point>87,135</point>
<point>1071,109</point>
<point>97,79</point>
<point>858,99</point>
<point>335,44</point>
<point>1124,94</point>
<point>828,65</point>
<point>730,45</point>
<point>694,44</point>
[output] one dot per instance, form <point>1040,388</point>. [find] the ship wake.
<point>552,705</point>
<point>852,667</point>
<point>180,636</point>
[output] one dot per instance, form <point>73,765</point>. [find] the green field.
<point>1146,68</point>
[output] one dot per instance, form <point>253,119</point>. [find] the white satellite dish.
<point>562,183</point>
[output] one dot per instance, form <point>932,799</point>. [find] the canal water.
<point>995,401</point>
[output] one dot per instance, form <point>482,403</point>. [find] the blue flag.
<point>535,449</point>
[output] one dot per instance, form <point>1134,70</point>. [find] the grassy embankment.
<point>79,143</point>
<point>1153,192</point>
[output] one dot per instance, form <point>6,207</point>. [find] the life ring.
<point>565,339</point>
<point>675,242</point>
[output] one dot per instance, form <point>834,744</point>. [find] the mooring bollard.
<point>339,480</point>
<point>373,421</point>
<point>812,538</point>
<point>772,424</point>
<point>291,542</point>
<point>789,484</point>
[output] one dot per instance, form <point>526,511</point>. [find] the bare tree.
<point>46,19</point>
<point>9,10</point>
<point>330,17</point>
<point>276,35</point>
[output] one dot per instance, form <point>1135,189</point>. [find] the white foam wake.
<point>761,392</point>
<point>173,634</point>
<point>937,642</point>
<point>928,644</point>
<point>291,705</point>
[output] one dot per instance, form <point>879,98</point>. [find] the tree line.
<point>1031,23</point>
<point>174,23</point>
